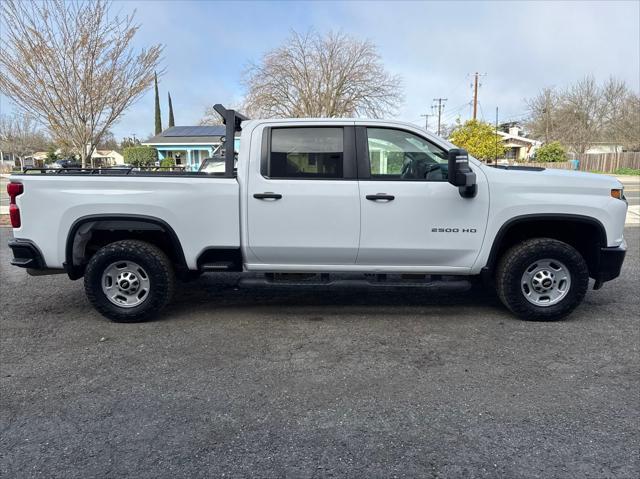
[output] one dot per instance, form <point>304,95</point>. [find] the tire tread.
<point>508,273</point>
<point>161,264</point>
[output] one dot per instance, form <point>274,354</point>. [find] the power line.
<point>455,112</point>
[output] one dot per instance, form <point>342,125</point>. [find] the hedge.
<point>140,155</point>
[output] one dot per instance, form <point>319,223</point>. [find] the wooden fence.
<point>605,162</point>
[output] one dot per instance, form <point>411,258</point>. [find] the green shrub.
<point>140,155</point>
<point>551,152</point>
<point>620,171</point>
<point>479,139</point>
<point>52,157</point>
<point>167,162</point>
<point>627,171</point>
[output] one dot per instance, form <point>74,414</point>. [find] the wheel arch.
<point>119,223</point>
<point>576,230</point>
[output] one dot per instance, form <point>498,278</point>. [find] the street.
<point>4,197</point>
<point>632,194</point>
<point>257,383</point>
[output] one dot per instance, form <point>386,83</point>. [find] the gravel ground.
<point>240,383</point>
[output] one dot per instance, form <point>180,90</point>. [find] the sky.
<point>518,47</point>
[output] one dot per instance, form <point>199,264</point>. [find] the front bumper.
<point>609,264</point>
<point>26,254</point>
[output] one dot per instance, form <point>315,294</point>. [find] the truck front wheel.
<point>129,281</point>
<point>542,279</point>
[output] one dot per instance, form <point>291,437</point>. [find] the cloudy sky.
<point>520,47</point>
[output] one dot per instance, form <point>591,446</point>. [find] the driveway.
<point>248,383</point>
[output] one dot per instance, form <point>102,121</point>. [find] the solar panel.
<point>202,130</point>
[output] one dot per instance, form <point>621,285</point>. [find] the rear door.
<point>303,205</point>
<point>411,216</point>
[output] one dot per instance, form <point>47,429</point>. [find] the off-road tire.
<point>155,263</point>
<point>512,266</point>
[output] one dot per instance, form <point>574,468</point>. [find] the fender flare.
<point>75,272</point>
<point>497,240</point>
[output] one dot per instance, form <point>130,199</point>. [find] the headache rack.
<point>233,121</point>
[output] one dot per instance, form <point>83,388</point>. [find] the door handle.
<point>267,196</point>
<point>381,196</point>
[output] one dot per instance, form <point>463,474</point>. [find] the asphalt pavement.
<point>312,384</point>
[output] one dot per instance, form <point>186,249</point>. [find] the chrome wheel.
<point>545,282</point>
<point>125,284</point>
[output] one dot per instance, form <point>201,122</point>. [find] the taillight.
<point>14,189</point>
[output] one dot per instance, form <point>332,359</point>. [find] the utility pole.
<point>476,85</point>
<point>496,161</point>
<point>475,94</point>
<point>426,120</point>
<point>439,108</point>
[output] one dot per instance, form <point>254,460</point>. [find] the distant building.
<point>34,160</point>
<point>106,158</point>
<point>604,147</point>
<point>187,145</point>
<point>519,148</point>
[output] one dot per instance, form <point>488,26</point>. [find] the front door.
<point>412,217</point>
<point>303,201</point>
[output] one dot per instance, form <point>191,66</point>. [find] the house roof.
<point>203,134</point>
<point>508,137</point>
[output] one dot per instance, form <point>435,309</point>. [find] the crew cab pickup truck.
<point>324,203</point>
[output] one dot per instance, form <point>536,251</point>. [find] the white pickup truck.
<point>324,203</point>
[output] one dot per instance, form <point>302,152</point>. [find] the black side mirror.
<point>460,174</point>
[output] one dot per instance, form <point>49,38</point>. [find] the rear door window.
<point>306,153</point>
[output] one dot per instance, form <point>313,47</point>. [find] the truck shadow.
<point>217,292</point>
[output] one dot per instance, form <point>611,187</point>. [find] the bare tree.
<point>70,65</point>
<point>321,76</point>
<point>211,117</point>
<point>108,142</point>
<point>544,111</point>
<point>586,113</point>
<point>20,135</point>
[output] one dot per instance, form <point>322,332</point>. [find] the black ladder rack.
<point>103,171</point>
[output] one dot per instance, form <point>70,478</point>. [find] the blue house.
<point>187,145</point>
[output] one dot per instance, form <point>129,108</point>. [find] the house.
<point>106,158</point>
<point>519,148</point>
<point>604,147</point>
<point>187,145</point>
<point>8,161</point>
<point>35,160</point>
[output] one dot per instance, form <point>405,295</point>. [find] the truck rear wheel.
<point>542,279</point>
<point>129,281</point>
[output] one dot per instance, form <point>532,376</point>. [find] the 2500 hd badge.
<point>454,230</point>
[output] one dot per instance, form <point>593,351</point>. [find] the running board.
<point>447,286</point>
<point>218,266</point>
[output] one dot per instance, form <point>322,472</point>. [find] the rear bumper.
<point>609,264</point>
<point>26,254</point>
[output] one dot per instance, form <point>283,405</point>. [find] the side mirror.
<point>460,174</point>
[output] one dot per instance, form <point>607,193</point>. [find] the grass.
<point>619,171</point>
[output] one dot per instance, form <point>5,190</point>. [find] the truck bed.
<point>202,209</point>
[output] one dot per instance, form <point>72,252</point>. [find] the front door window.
<point>400,155</point>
